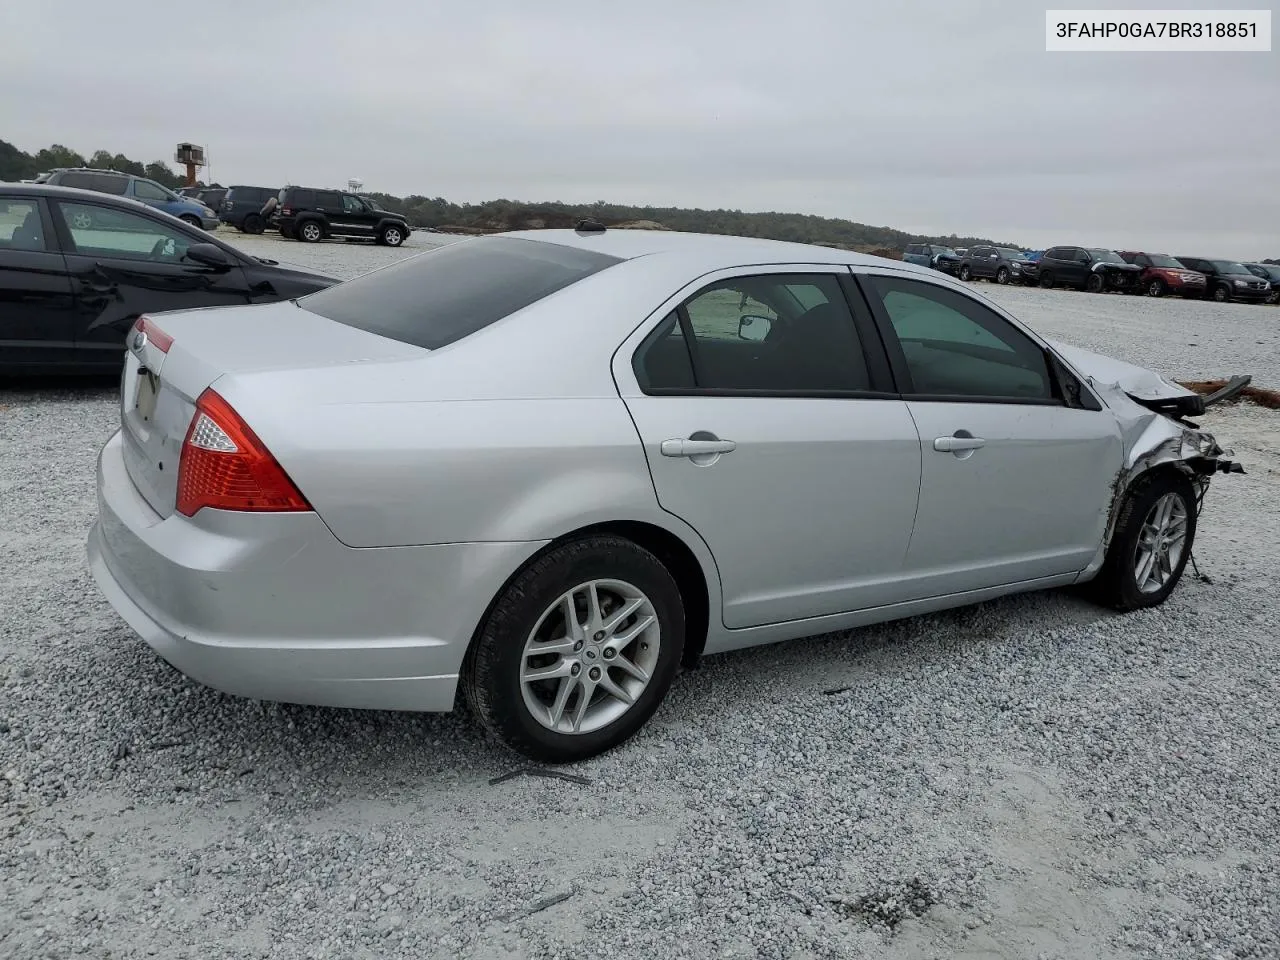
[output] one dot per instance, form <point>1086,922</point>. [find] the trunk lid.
<point>159,388</point>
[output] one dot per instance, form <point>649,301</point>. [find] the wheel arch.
<point>681,561</point>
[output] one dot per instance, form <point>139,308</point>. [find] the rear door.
<point>770,427</point>
<point>36,305</point>
<point>1015,483</point>
<point>124,263</point>
<point>330,205</point>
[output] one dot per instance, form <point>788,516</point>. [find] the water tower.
<point>354,184</point>
<point>192,155</point>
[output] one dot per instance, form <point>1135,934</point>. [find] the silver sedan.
<point>551,467</point>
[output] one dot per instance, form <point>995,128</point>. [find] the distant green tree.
<point>58,156</point>
<point>163,174</point>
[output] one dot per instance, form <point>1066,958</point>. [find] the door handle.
<point>104,289</point>
<point>957,444</point>
<point>696,448</point>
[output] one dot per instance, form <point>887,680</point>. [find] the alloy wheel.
<point>590,656</point>
<point>1160,543</point>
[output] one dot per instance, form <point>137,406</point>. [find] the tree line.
<point>15,164</point>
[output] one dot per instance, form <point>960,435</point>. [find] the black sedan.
<point>77,268</point>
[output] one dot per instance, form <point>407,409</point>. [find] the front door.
<point>35,292</point>
<point>768,429</point>
<point>357,219</point>
<point>1015,485</point>
<point>125,263</point>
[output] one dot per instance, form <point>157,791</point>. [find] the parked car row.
<point>302,213</point>
<point>1100,270</point>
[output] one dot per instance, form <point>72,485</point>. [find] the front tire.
<point>1156,288</point>
<point>193,220</point>
<point>1221,294</point>
<point>1046,280</point>
<point>1002,276</point>
<point>578,650</point>
<point>391,236</point>
<point>1152,541</point>
<point>1095,283</point>
<point>964,273</point>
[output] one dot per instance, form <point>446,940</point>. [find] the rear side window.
<point>330,201</point>
<point>299,198</point>
<point>101,182</point>
<point>440,297</point>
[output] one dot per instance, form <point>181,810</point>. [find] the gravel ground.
<point>1029,778</point>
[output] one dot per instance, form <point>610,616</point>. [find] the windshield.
<point>945,252</point>
<point>1229,266</point>
<point>1009,253</point>
<point>1160,260</point>
<point>1106,256</point>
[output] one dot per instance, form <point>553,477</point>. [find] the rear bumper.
<point>274,607</point>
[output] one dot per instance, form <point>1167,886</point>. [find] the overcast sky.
<point>936,117</point>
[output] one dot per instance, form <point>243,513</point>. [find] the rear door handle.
<point>955,444</point>
<point>696,448</point>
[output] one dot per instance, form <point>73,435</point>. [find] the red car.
<point>1162,274</point>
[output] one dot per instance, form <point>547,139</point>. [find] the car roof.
<point>629,244</point>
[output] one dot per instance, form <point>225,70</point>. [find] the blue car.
<point>138,188</point>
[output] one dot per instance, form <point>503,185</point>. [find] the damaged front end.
<point>1152,414</point>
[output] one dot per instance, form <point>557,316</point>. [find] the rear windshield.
<point>439,297</point>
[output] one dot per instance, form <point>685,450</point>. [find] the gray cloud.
<point>914,114</point>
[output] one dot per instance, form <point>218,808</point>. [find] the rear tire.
<point>1046,280</point>
<point>1117,584</point>
<point>531,611</point>
<point>1156,288</point>
<point>253,224</point>
<point>310,231</point>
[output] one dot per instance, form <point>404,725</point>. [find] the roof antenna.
<point>589,225</point>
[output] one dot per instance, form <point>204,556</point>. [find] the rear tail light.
<point>155,336</point>
<point>225,466</point>
<point>286,211</point>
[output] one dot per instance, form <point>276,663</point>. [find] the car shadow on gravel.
<point>16,391</point>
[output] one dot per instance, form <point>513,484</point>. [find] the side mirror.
<point>208,255</point>
<point>753,328</point>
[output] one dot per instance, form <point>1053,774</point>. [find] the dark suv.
<point>1089,268</point>
<point>1229,280</point>
<point>243,207</point>
<point>312,214</point>
<point>1163,274</point>
<point>1001,264</point>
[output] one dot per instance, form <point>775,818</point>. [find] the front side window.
<point>20,226</point>
<point>779,333</point>
<point>352,205</point>
<point>107,232</point>
<point>955,347</point>
<point>146,190</point>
